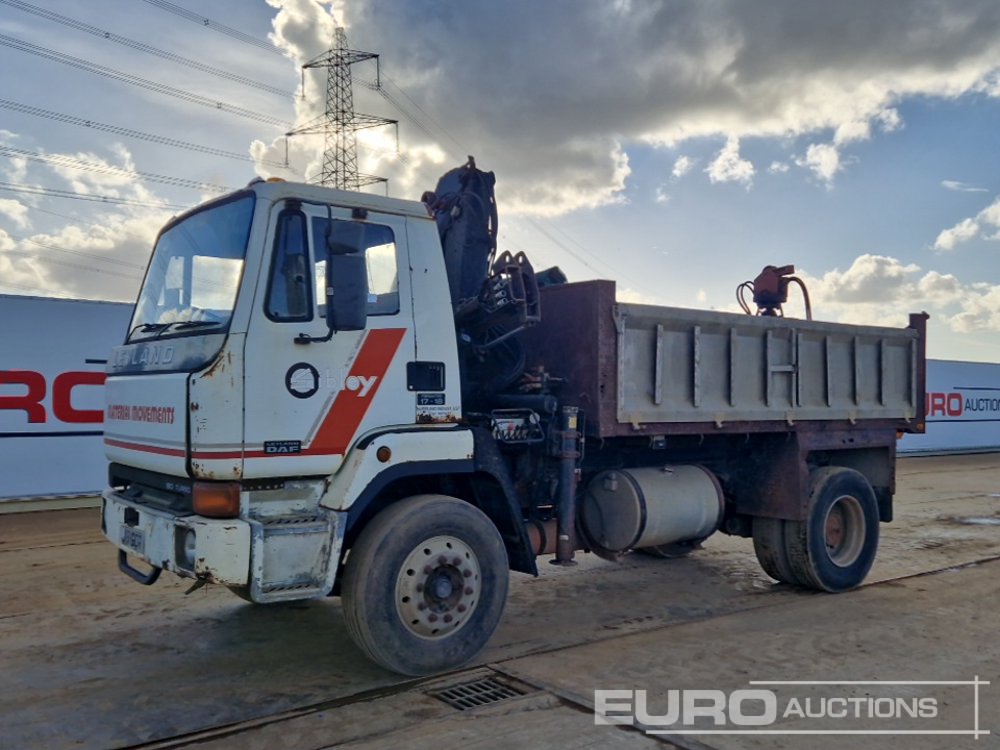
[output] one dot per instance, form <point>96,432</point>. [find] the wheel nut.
<point>442,560</point>
<point>428,569</point>
<point>457,561</point>
<point>461,608</point>
<point>468,590</point>
<point>467,573</point>
<point>447,618</point>
<point>420,587</point>
<point>433,618</point>
<point>421,606</point>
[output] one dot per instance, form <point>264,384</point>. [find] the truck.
<point>332,393</point>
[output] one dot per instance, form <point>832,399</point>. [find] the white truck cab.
<point>244,418</point>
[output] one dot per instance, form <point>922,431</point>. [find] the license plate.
<point>134,539</point>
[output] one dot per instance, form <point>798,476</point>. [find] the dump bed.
<point>638,369</point>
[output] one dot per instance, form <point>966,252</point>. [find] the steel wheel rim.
<point>438,587</point>
<point>844,531</point>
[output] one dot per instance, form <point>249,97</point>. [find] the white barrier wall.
<point>963,409</point>
<point>52,355</point>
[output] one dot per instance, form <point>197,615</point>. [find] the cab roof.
<point>276,191</point>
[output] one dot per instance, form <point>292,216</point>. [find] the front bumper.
<point>220,552</point>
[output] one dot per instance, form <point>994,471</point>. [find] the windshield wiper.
<point>148,328</point>
<point>177,325</point>
<point>194,324</point>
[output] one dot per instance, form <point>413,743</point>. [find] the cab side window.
<point>289,292</point>
<point>377,242</point>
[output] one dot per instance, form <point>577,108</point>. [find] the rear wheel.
<point>769,544</point>
<point>425,585</point>
<point>834,548</point>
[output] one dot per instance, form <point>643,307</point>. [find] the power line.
<point>43,292</point>
<point>78,266</point>
<point>142,47</point>
<point>75,219</point>
<point>109,199</point>
<point>414,119</point>
<point>556,241</point>
<point>117,75</point>
<point>129,133</point>
<point>89,166</point>
<point>215,25</point>
<point>79,253</point>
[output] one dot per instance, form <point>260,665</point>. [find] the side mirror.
<point>346,292</point>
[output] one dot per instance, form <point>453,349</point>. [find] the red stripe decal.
<point>350,406</point>
<point>213,455</point>
<point>145,448</point>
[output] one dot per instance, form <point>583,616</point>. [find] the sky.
<point>676,146</point>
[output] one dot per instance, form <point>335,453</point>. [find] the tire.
<point>834,548</point>
<point>769,544</point>
<point>425,585</point>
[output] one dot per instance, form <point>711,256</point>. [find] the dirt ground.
<point>90,659</point>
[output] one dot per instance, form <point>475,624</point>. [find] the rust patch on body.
<point>219,366</point>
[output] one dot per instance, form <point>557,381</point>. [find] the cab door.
<point>307,400</point>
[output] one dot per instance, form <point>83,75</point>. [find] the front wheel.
<point>425,585</point>
<point>834,548</point>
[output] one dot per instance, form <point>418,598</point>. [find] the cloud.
<point>103,260</point>
<point>940,289</point>
<point>980,312</point>
<point>964,231</point>
<point>102,257</point>
<point>881,290</point>
<point>866,280</point>
<point>823,159</point>
<point>778,167</point>
<point>853,130</point>
<point>728,166</point>
<point>682,166</point>
<point>889,120</point>
<point>552,100</point>
<point>970,228</point>
<point>16,211</point>
<point>14,167</point>
<point>629,295</point>
<point>661,195</point>
<point>107,177</point>
<point>962,187</point>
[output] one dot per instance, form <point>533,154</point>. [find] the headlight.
<point>188,548</point>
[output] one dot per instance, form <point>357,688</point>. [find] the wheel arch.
<point>478,483</point>
<point>875,463</point>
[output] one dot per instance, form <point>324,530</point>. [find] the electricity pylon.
<point>339,123</point>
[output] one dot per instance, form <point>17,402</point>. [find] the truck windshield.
<point>194,274</point>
